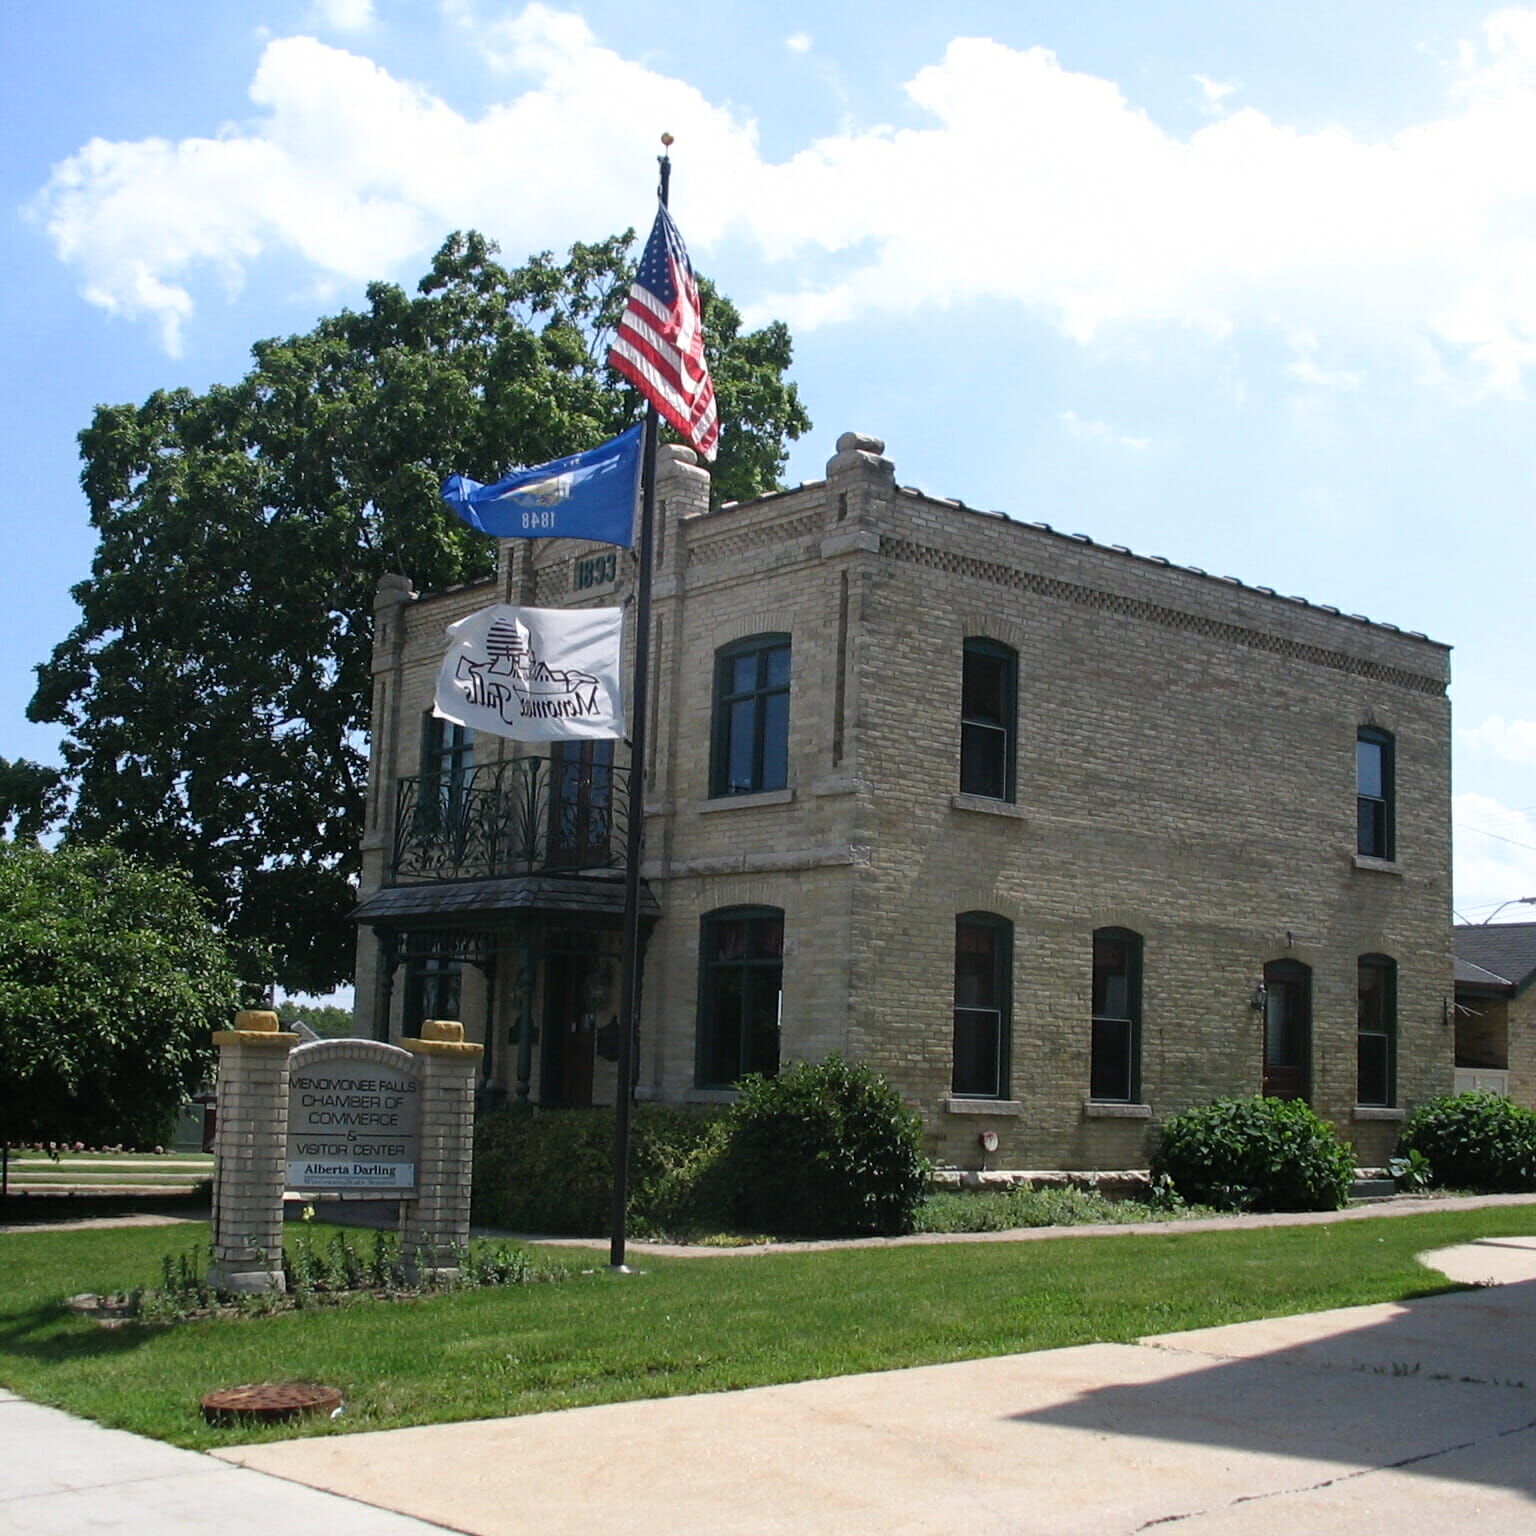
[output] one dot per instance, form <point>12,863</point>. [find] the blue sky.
<point>1251,287</point>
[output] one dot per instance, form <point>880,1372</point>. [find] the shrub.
<point>551,1170</point>
<point>1255,1155</point>
<point>1476,1141</point>
<point>824,1149</point>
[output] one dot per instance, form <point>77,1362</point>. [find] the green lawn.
<point>684,1325</point>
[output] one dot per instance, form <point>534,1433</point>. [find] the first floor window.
<point>1376,1037</point>
<point>983,982</point>
<point>432,991</point>
<point>1116,1050</point>
<point>741,986</point>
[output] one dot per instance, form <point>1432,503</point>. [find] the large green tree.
<point>112,980</point>
<point>214,694</point>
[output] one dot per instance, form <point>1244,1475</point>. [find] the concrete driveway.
<point>1418,1418</point>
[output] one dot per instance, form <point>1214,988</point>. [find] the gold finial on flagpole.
<point>666,139</point>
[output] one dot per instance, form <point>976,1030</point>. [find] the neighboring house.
<point>1059,838</point>
<point>1496,1009</point>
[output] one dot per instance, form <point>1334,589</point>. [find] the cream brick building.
<point>1061,839</point>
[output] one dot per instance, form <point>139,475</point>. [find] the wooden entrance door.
<point>1287,1030</point>
<point>569,1032</point>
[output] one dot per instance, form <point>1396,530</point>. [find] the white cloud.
<point>1213,94</point>
<point>1495,856</point>
<point>1099,431</point>
<point>1027,185</point>
<point>344,15</point>
<point>1512,741</point>
<point>798,42</point>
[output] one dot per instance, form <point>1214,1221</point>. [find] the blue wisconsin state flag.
<point>587,495</point>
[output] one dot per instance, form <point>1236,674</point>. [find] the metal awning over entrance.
<point>466,903</point>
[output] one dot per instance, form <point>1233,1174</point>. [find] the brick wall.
<point>1185,769</point>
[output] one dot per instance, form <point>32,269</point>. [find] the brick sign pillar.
<point>434,1227</point>
<point>249,1145</point>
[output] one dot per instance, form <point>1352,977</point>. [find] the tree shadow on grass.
<point>50,1332</point>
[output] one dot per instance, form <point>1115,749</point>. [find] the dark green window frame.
<point>1375,794</point>
<point>749,739</point>
<point>983,1012</point>
<point>741,990</point>
<point>1114,1071</point>
<point>1376,1032</point>
<point>989,707</point>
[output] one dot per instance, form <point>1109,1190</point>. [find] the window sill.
<point>1092,1110</point>
<point>954,1106</point>
<point>1376,1112</point>
<point>711,1096</point>
<point>746,802</point>
<point>986,806</point>
<point>1378,866</point>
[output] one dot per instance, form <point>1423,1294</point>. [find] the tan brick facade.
<point>1184,765</point>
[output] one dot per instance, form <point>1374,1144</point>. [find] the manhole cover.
<point>268,1403</point>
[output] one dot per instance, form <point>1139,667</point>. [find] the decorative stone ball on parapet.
<point>859,451</point>
<point>249,1145</point>
<point>434,1227</point>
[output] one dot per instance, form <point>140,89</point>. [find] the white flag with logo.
<point>534,674</point>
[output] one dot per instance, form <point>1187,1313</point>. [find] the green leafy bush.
<point>551,1170</point>
<point>824,1149</point>
<point>1476,1141</point>
<point>1255,1155</point>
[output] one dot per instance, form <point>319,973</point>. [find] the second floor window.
<point>1373,794</point>
<point>750,749</point>
<point>988,706</point>
<point>447,760</point>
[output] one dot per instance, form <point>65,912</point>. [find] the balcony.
<point>527,816</point>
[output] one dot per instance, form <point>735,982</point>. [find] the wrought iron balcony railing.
<point>530,815</point>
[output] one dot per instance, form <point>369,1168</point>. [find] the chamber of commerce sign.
<point>353,1118</point>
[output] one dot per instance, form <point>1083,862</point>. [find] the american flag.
<point>659,345</point>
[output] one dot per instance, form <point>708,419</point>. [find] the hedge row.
<point>829,1150</point>
<point>821,1150</point>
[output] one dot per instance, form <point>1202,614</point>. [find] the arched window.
<point>983,1005</point>
<point>1115,1058</point>
<point>741,984</point>
<point>749,743</point>
<point>988,710</point>
<point>1376,1032</point>
<point>1375,797</point>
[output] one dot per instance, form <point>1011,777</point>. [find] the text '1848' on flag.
<point>659,345</point>
<point>587,495</point>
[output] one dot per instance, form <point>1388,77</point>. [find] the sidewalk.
<point>1418,1415</point>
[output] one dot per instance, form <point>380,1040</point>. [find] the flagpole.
<point>639,712</point>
